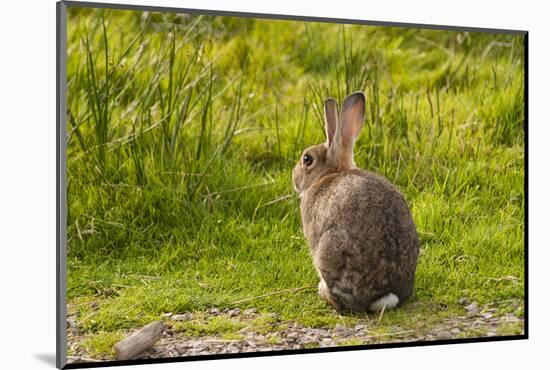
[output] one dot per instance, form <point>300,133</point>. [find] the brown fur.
<point>361,234</point>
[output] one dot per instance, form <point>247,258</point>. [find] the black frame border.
<point>61,191</point>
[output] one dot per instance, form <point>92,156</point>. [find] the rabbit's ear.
<point>351,122</point>
<point>331,119</point>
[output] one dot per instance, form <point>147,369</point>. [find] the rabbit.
<point>361,234</point>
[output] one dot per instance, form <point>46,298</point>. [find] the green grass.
<point>183,131</point>
<point>102,344</point>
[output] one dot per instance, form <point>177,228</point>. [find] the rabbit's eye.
<point>308,160</point>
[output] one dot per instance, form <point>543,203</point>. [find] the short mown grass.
<point>183,130</point>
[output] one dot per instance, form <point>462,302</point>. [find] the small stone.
<point>443,334</point>
<point>250,311</point>
<point>463,301</point>
<point>344,331</point>
<point>70,322</point>
<point>199,346</point>
<point>233,349</point>
<point>348,332</point>
<point>487,315</point>
<point>293,335</point>
<point>215,311</point>
<point>326,342</point>
<point>75,360</point>
<point>359,328</point>
<point>182,349</point>
<point>472,308</point>
<point>167,314</point>
<point>455,331</point>
<point>306,339</point>
<point>72,325</point>
<point>183,317</point>
<point>491,334</point>
<point>234,312</point>
<point>316,332</point>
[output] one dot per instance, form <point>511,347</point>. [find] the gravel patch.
<point>478,321</point>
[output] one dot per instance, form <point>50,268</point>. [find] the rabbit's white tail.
<point>388,301</point>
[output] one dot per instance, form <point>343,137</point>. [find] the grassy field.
<point>182,133</point>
